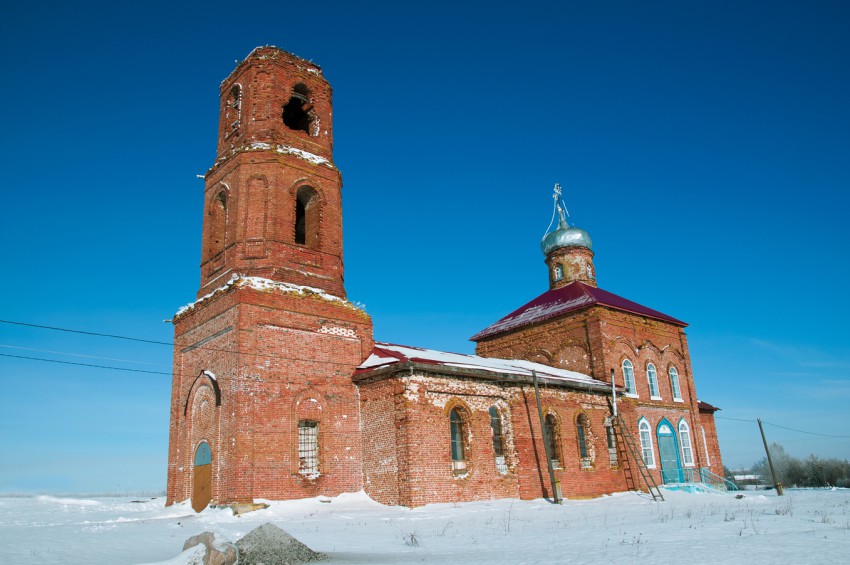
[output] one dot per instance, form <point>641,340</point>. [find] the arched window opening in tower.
<point>559,272</point>
<point>674,384</point>
<point>233,109</point>
<point>307,217</point>
<point>553,440</point>
<point>498,440</point>
<point>582,429</point>
<point>458,430</point>
<point>297,112</point>
<point>217,222</point>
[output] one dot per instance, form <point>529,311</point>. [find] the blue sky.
<point>703,145</point>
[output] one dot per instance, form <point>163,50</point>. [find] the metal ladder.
<point>621,431</point>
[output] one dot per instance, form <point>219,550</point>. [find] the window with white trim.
<point>652,376</point>
<point>705,445</point>
<point>674,384</point>
<point>645,434</point>
<point>559,272</point>
<point>685,441</point>
<point>308,447</point>
<point>629,378</point>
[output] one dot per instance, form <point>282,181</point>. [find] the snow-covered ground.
<point>801,527</point>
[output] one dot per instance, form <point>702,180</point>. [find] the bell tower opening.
<point>216,224</point>
<point>307,217</point>
<point>296,112</point>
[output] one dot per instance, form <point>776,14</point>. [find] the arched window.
<point>674,384</point>
<point>498,440</point>
<point>458,428</point>
<point>307,217</point>
<point>685,441</point>
<point>308,447</point>
<point>629,378</point>
<point>559,272</point>
<point>611,442</point>
<point>553,440</point>
<point>652,376</point>
<point>583,430</point>
<point>217,223</point>
<point>297,112</point>
<point>233,108</point>
<point>645,434</point>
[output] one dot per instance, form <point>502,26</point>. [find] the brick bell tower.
<point>262,404</point>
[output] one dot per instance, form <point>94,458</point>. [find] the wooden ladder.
<point>622,432</point>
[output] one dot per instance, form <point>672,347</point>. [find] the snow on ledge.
<point>288,150</point>
<point>260,283</point>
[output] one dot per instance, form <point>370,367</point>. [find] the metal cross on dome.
<point>560,205</point>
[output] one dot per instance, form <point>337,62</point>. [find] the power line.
<point>54,328</point>
<point>83,364</point>
<point>803,431</point>
<point>79,355</point>
<point>778,426</point>
<point>167,343</point>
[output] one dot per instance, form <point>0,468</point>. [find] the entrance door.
<point>671,468</point>
<point>202,477</point>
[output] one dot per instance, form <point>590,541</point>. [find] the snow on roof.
<point>387,354</point>
<point>260,283</point>
<point>570,298</point>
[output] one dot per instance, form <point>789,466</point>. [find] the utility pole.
<point>769,460</point>
<point>556,485</point>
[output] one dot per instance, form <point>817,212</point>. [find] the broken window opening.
<point>458,429</point>
<point>611,440</point>
<point>552,440</point>
<point>297,113</point>
<point>307,217</point>
<point>582,429</point>
<point>308,447</point>
<point>498,440</point>
<point>217,223</point>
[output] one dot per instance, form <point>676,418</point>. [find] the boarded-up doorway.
<point>202,477</point>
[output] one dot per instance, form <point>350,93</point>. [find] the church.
<point>279,390</point>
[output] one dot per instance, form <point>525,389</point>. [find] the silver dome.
<point>565,236</point>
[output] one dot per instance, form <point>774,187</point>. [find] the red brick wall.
<point>712,441</point>
<point>284,357</point>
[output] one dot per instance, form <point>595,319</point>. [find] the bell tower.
<point>262,401</point>
<point>272,205</point>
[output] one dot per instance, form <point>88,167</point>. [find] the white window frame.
<point>652,379</point>
<point>675,385</point>
<point>645,436</point>
<point>685,443</point>
<point>705,445</point>
<point>630,391</point>
<point>558,272</point>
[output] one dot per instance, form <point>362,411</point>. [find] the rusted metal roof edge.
<point>388,371</point>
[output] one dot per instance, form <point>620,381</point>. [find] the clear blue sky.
<point>704,146</point>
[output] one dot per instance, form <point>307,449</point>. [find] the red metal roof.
<point>574,296</point>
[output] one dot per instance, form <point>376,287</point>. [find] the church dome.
<point>565,236</point>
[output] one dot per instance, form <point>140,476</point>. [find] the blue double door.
<point>668,451</point>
